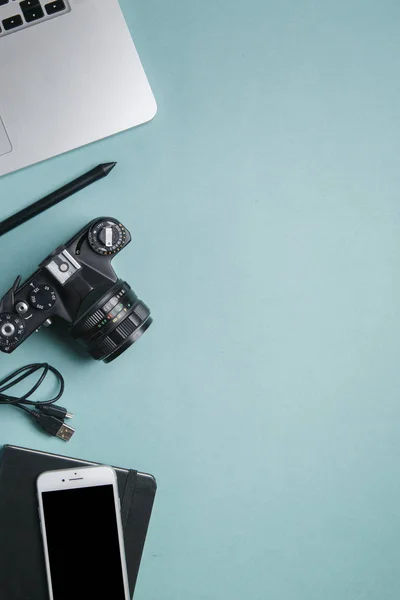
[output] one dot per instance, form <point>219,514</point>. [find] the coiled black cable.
<point>44,412</point>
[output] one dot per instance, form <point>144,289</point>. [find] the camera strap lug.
<point>7,303</point>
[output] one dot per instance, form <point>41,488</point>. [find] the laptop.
<point>69,75</point>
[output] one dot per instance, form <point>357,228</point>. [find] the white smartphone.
<point>80,519</point>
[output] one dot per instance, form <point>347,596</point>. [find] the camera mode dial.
<point>107,237</point>
<point>11,330</point>
<point>42,297</point>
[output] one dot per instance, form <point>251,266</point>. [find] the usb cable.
<point>46,414</point>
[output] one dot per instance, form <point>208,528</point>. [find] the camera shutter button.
<point>22,308</point>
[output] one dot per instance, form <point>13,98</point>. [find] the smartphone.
<point>80,520</point>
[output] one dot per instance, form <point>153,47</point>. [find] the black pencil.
<point>55,197</point>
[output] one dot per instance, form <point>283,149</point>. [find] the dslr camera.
<point>78,284</point>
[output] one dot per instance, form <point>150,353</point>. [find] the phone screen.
<point>82,542</point>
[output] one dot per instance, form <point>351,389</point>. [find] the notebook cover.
<point>22,567</point>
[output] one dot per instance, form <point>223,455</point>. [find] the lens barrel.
<point>112,323</point>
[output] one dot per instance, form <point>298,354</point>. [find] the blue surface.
<point>264,206</point>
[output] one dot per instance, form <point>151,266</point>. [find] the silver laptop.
<point>69,75</point>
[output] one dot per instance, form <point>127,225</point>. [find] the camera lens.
<point>112,322</point>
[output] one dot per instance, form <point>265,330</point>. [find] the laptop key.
<point>27,4</point>
<point>55,6</point>
<point>12,22</point>
<point>33,14</point>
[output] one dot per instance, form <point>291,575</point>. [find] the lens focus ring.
<point>113,323</point>
<point>130,330</point>
<point>93,320</point>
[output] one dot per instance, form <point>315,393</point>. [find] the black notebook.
<point>22,567</point>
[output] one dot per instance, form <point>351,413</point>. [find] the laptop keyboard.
<point>15,15</point>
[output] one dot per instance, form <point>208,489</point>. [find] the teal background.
<point>264,206</point>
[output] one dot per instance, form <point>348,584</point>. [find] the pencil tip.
<point>108,167</point>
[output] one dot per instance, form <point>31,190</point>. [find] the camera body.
<point>77,283</point>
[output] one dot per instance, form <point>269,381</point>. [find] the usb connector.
<point>65,432</point>
<point>53,410</point>
<point>53,426</point>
